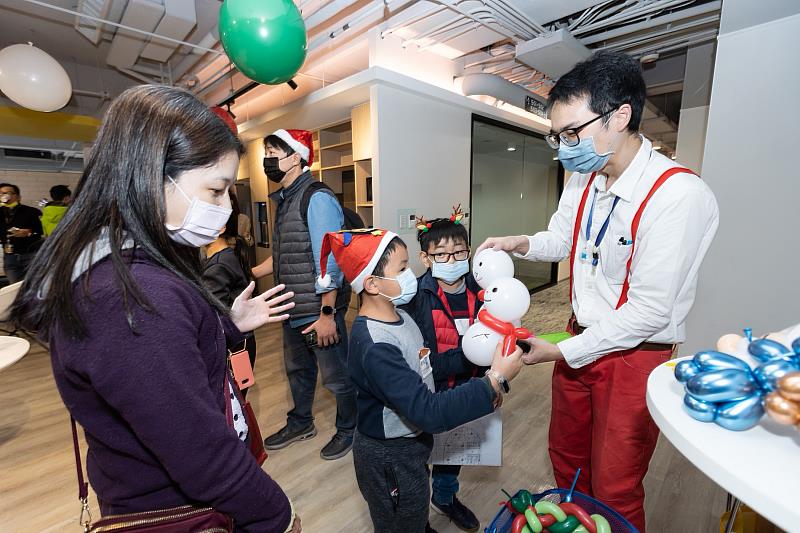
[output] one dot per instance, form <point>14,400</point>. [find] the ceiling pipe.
<point>471,27</point>
<point>634,13</point>
<point>455,7</point>
<point>493,15</point>
<point>501,10</point>
<point>663,19</point>
<point>496,87</point>
<point>535,26</point>
<point>413,20</point>
<point>438,28</point>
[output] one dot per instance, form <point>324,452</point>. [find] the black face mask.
<point>273,170</point>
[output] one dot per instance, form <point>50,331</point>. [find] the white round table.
<point>760,466</point>
<point>12,349</point>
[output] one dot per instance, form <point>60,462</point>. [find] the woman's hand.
<point>251,313</point>
<point>515,243</point>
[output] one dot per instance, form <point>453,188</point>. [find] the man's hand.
<point>20,233</point>
<point>325,327</point>
<point>541,352</point>
<point>296,526</point>
<point>514,243</point>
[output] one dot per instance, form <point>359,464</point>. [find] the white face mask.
<point>408,287</point>
<point>202,223</point>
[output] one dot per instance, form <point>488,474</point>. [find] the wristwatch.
<point>328,310</point>
<point>500,379</point>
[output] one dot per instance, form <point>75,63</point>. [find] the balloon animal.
<point>724,389</point>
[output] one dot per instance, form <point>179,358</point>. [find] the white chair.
<point>7,296</point>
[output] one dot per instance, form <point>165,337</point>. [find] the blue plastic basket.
<point>502,522</point>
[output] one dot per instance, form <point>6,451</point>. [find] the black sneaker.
<point>339,446</point>
<point>429,529</point>
<point>459,514</point>
<point>287,435</point>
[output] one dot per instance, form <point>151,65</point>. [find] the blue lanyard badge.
<point>603,228</point>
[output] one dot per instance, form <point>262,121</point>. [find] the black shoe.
<point>339,446</point>
<point>287,435</point>
<point>458,513</point>
<point>429,529</point>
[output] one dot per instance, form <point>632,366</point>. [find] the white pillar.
<point>694,105</point>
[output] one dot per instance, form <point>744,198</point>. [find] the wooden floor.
<point>37,470</point>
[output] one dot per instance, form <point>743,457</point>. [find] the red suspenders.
<point>634,228</point>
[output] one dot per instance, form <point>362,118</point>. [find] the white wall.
<point>33,185</point>
<point>422,158</point>
<point>691,137</point>
<point>750,276</point>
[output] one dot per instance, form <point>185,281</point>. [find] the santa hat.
<point>357,252</point>
<point>227,118</point>
<point>300,141</point>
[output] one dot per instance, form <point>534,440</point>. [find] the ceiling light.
<point>656,147</point>
<point>555,158</point>
<point>511,148</point>
<point>649,58</point>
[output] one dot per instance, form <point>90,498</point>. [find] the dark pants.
<point>16,266</point>
<point>301,369</point>
<point>392,476</point>
<point>445,483</point>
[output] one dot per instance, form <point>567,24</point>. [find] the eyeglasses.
<point>444,257</point>
<point>569,136</point>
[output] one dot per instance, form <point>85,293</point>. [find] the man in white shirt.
<point>636,233</point>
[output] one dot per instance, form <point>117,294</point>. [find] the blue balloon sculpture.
<point>723,389</point>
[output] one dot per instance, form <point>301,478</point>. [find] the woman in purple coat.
<point>138,345</point>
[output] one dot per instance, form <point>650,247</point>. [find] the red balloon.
<point>226,118</point>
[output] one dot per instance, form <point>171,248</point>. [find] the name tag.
<point>425,368</point>
<point>462,325</point>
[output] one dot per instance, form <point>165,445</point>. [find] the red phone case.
<point>242,369</point>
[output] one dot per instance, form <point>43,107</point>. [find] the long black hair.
<point>149,132</point>
<point>231,234</point>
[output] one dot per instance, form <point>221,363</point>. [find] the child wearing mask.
<point>445,305</point>
<point>398,408</point>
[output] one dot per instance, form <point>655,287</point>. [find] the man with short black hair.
<point>54,211</point>
<point>20,230</point>
<point>315,336</point>
<point>636,228</point>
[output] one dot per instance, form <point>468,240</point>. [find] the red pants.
<point>600,423</point>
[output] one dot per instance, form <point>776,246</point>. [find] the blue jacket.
<point>450,366</point>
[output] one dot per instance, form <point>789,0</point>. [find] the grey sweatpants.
<point>392,476</point>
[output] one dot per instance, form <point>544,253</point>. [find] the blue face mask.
<point>450,272</point>
<point>582,157</point>
<point>408,287</point>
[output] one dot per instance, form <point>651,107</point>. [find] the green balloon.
<point>265,39</point>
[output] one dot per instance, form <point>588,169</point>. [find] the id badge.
<point>425,368</point>
<point>462,325</point>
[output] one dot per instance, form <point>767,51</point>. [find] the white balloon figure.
<point>490,265</point>
<point>506,300</point>
<point>479,343</point>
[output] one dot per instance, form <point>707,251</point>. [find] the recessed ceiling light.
<point>511,148</point>
<point>649,58</point>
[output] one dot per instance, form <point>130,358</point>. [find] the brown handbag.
<point>183,519</point>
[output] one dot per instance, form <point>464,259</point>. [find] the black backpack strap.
<point>315,186</point>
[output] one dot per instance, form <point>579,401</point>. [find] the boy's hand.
<point>508,367</point>
<point>515,243</point>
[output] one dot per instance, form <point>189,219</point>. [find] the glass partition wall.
<point>516,184</point>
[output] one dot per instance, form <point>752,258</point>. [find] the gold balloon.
<point>727,343</point>
<point>782,410</point>
<point>789,386</point>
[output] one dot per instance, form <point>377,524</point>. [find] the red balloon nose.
<point>480,294</point>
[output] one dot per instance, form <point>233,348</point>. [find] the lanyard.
<point>603,228</point>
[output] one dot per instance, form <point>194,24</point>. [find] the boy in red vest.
<point>446,305</point>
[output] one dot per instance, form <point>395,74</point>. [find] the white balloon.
<point>33,79</point>
<point>490,265</point>
<point>479,344</point>
<point>507,299</point>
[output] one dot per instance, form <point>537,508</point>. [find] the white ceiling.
<point>480,35</point>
